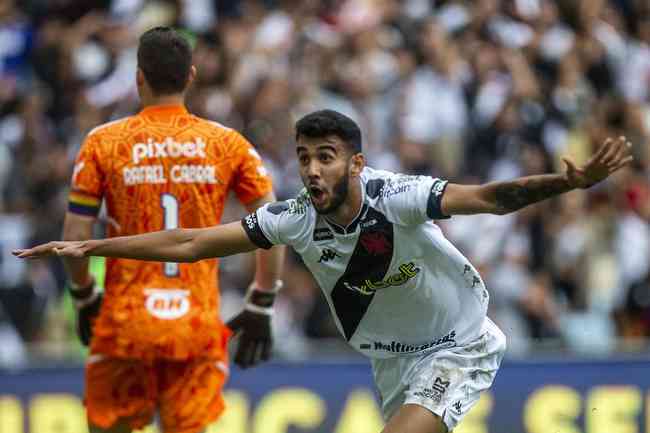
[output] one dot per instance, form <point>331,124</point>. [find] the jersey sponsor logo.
<point>323,234</point>
<point>168,148</point>
<point>328,255</point>
<point>406,272</point>
<point>375,243</point>
<point>391,190</point>
<point>447,341</point>
<point>167,304</point>
<point>381,188</point>
<point>402,178</point>
<point>298,207</point>
<point>437,390</point>
<point>302,202</point>
<point>369,223</point>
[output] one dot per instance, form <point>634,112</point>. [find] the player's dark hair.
<point>320,124</point>
<point>165,58</point>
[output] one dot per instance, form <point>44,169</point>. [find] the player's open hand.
<point>255,338</point>
<point>611,156</point>
<point>58,248</point>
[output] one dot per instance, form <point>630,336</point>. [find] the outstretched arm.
<point>505,197</point>
<point>177,245</point>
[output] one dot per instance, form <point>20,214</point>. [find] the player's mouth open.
<point>316,193</point>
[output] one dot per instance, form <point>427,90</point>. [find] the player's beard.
<point>339,194</point>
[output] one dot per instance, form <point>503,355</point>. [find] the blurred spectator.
<point>470,90</point>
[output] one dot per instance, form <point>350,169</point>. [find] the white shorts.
<point>447,382</point>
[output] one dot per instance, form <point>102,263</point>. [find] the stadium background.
<point>468,90</point>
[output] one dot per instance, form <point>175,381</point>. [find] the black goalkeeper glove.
<point>253,326</point>
<point>87,303</point>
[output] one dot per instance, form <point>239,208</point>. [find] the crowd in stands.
<point>470,91</point>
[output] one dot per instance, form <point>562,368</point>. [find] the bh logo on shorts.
<point>167,303</point>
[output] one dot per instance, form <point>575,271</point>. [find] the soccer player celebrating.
<point>399,292</point>
<point>157,341</point>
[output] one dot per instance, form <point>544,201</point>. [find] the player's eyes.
<point>325,157</point>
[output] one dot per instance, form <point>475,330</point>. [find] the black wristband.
<point>82,293</point>
<point>261,299</point>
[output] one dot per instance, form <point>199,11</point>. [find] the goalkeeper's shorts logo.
<point>167,303</point>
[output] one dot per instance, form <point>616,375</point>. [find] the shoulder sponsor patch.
<point>384,188</point>
<point>278,207</point>
<point>374,187</point>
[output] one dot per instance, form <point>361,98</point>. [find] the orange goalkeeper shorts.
<point>187,394</point>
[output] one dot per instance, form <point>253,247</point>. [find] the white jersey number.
<point>170,221</point>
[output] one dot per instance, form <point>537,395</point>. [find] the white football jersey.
<point>396,286</point>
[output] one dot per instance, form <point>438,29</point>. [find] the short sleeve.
<point>279,223</point>
<point>409,199</point>
<point>252,180</point>
<point>87,184</point>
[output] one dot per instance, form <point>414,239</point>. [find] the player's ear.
<point>357,162</point>
<point>191,76</point>
<point>139,78</point>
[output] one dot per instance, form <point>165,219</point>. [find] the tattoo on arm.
<point>514,195</point>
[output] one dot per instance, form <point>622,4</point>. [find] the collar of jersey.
<point>167,109</point>
<point>355,222</point>
<point>350,227</point>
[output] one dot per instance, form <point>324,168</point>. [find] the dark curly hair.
<point>320,124</point>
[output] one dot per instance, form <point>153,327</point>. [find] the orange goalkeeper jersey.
<point>160,169</point>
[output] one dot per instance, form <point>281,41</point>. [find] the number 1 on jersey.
<point>170,221</point>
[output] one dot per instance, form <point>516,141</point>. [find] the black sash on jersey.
<point>370,261</point>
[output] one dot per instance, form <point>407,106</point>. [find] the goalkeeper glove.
<point>253,326</point>
<point>87,302</point>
